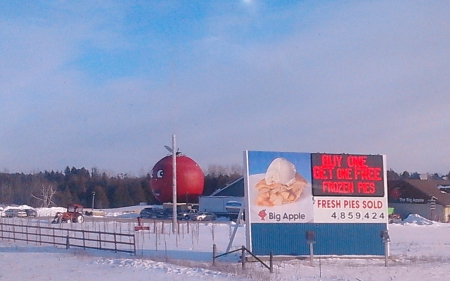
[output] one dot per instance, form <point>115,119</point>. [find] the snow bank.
<point>418,220</point>
<point>49,212</point>
<point>21,207</point>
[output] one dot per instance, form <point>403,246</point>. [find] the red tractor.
<point>74,213</point>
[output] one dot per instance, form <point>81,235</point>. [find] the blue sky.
<point>107,83</point>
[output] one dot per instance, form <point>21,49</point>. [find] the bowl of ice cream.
<point>282,184</point>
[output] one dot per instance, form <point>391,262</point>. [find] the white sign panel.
<point>279,188</point>
<point>350,210</point>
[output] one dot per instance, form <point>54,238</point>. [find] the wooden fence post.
<point>271,262</point>
<point>214,254</point>
<point>243,257</point>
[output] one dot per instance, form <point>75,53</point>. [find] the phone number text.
<point>358,216</point>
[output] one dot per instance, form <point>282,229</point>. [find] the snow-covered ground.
<point>420,250</point>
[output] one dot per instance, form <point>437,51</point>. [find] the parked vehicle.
<point>146,213</point>
<point>204,216</point>
<point>187,215</point>
<point>153,213</point>
<point>31,212</point>
<point>74,213</point>
<point>233,206</point>
<point>21,213</point>
<point>222,206</point>
<point>11,213</point>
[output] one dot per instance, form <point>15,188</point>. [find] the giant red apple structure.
<point>190,179</point>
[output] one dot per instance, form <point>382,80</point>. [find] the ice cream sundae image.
<point>280,185</point>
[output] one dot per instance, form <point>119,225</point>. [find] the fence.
<point>159,241</point>
<point>86,239</point>
<point>243,250</point>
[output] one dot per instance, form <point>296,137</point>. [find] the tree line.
<point>392,175</point>
<point>83,186</point>
<point>73,185</point>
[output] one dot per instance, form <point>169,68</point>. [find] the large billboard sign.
<point>288,193</point>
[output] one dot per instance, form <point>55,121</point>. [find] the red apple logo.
<point>396,193</point>
<point>262,214</point>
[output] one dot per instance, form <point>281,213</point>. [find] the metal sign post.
<point>236,226</point>
<point>174,185</point>
<point>311,239</point>
<point>432,207</point>
<point>385,238</point>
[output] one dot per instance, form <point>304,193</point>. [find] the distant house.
<point>426,197</point>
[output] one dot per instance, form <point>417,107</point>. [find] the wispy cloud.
<point>106,84</point>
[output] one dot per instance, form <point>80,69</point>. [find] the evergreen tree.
<point>392,175</point>
<point>405,175</point>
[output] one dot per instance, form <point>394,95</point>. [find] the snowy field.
<point>420,250</point>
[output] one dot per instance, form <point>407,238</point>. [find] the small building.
<point>425,197</point>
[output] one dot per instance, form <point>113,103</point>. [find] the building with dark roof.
<point>235,189</point>
<point>425,197</point>
<point>217,202</point>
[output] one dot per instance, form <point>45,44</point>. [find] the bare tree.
<point>43,192</point>
<point>216,170</point>
<point>236,169</point>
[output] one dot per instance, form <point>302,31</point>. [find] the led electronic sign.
<point>347,175</point>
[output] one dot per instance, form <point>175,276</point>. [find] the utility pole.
<point>93,200</point>
<point>174,184</point>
